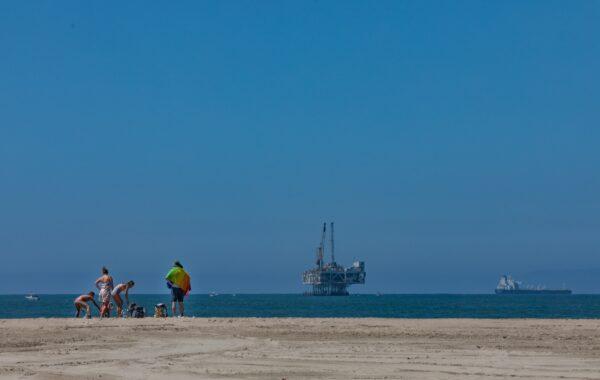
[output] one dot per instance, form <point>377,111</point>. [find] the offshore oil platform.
<point>332,279</point>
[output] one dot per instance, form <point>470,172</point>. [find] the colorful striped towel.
<point>178,277</point>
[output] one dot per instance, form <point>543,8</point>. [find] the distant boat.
<point>213,294</point>
<point>32,297</point>
<point>507,285</point>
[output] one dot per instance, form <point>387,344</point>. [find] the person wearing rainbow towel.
<point>179,282</point>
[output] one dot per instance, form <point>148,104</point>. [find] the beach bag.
<point>131,310</point>
<point>139,312</point>
<point>160,311</point>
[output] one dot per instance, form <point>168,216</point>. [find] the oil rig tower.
<point>332,279</point>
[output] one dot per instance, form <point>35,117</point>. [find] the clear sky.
<point>450,142</point>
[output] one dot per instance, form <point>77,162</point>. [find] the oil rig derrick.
<point>332,279</point>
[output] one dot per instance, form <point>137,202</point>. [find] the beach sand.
<point>250,348</point>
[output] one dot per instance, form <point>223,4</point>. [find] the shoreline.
<point>113,318</point>
<point>299,348</point>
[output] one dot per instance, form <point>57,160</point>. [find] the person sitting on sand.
<point>116,295</point>
<point>81,302</point>
<point>179,282</point>
<point>105,284</point>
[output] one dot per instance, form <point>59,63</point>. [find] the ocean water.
<point>293,305</point>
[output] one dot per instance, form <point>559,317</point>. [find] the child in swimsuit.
<point>105,284</point>
<point>81,302</point>
<point>116,295</point>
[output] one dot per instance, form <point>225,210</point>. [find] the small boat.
<point>213,294</point>
<point>32,297</point>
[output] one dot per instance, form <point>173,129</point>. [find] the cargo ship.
<point>507,285</point>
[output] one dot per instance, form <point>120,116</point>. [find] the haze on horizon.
<point>450,142</point>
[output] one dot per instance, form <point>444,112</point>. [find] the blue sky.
<point>450,142</point>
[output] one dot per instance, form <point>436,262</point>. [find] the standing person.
<point>179,282</point>
<point>116,295</point>
<point>105,284</point>
<point>81,302</point>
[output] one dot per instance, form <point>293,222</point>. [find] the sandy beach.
<point>299,349</point>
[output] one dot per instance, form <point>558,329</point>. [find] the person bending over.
<point>81,302</point>
<point>116,295</point>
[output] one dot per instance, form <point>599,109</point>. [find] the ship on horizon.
<point>507,285</point>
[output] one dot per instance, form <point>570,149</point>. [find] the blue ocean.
<point>358,306</point>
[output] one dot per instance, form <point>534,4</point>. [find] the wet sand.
<point>299,349</point>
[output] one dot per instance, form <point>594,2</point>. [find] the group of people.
<point>177,280</point>
<point>107,291</point>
